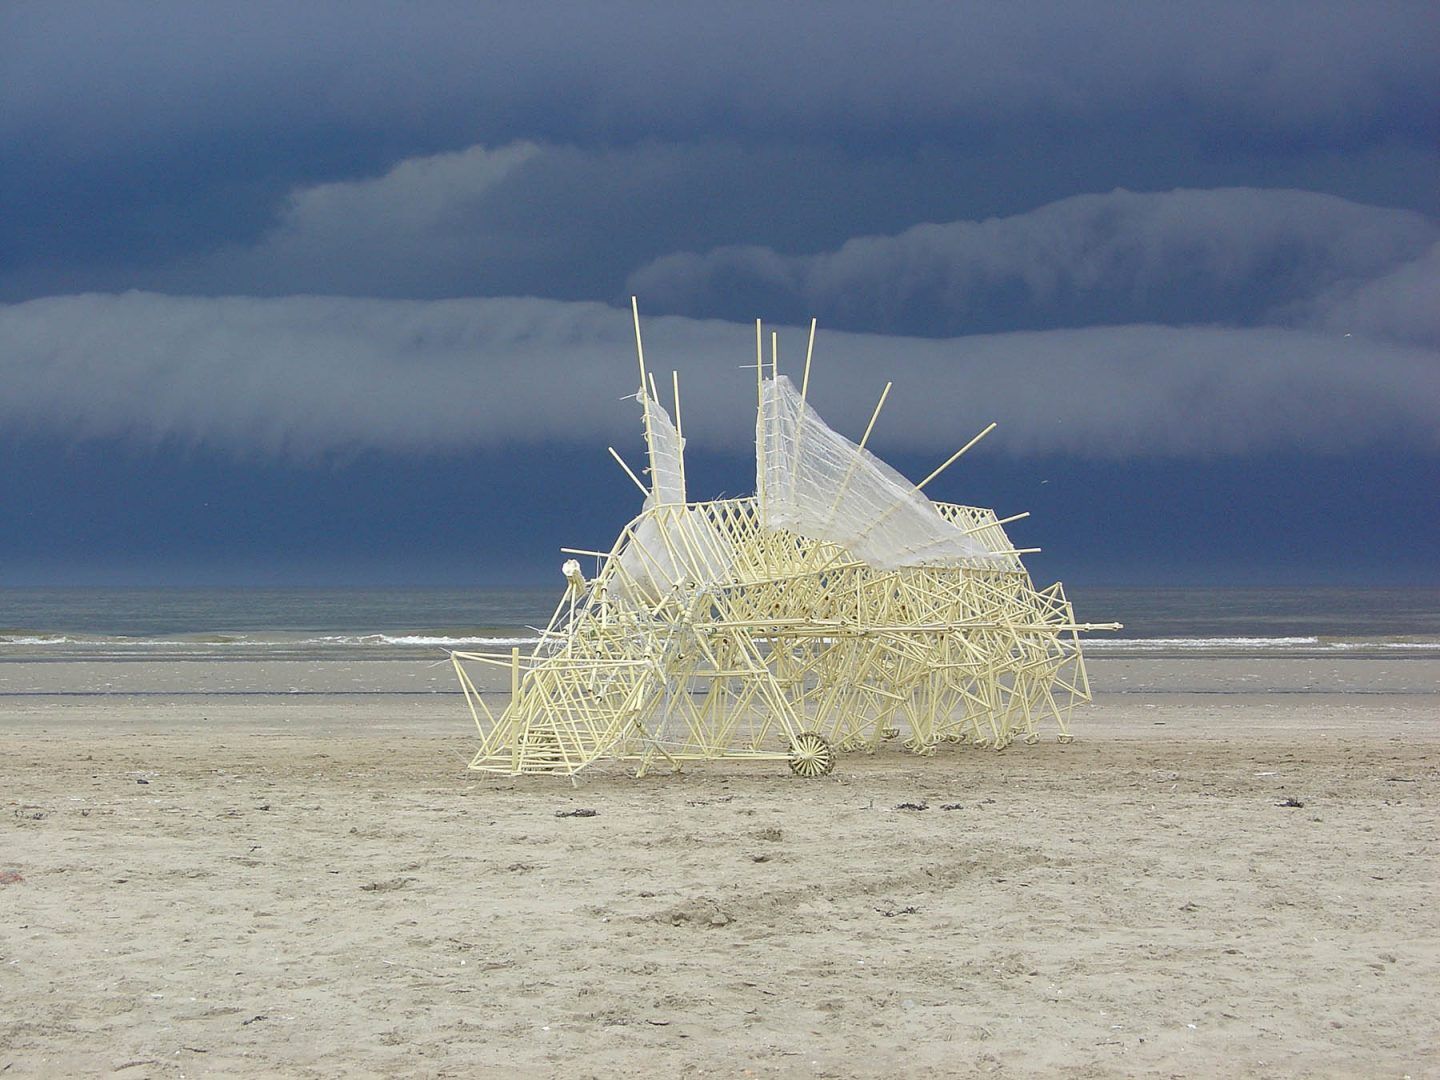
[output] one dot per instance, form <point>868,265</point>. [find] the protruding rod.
<point>877,522</point>
<point>679,427</point>
<point>875,415</point>
<point>804,389</point>
<point>809,352</point>
<point>675,393</point>
<point>760,416</point>
<point>956,456</point>
<point>774,354</point>
<point>639,344</point>
<point>628,471</point>
<point>855,459</point>
<point>990,524</point>
<point>644,393</point>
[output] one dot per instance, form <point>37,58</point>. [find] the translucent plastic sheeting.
<point>667,459</point>
<point>671,545</point>
<point>815,482</point>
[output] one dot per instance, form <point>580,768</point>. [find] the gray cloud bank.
<point>1236,256</point>
<point>306,375</point>
<point>527,219</point>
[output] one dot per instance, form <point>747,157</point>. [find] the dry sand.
<point>312,884</point>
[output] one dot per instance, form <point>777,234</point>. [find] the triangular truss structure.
<point>836,608</point>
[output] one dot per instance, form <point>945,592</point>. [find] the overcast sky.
<point>338,293</point>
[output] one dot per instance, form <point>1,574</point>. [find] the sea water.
<point>1310,621</point>
<point>268,623</point>
<point>250,623</point>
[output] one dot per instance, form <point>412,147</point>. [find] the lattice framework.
<point>708,632</point>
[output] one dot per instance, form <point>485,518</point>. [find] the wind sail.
<point>667,459</point>
<point>817,483</point>
<point>675,546</point>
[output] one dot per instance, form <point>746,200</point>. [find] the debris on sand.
<point>387,886</point>
<point>696,911</point>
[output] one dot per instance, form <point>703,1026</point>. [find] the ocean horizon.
<point>99,622</point>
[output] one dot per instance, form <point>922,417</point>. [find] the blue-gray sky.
<point>336,293</point>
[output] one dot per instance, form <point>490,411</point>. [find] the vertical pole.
<point>809,351</point>
<point>760,417</point>
<point>644,389</point>
<point>679,429</point>
<point>804,390</point>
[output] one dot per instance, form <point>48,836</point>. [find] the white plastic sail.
<point>667,459</point>
<point>817,483</point>
<point>675,545</point>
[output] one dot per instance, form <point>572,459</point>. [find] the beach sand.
<point>1231,872</point>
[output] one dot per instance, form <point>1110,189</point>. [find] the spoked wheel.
<point>811,755</point>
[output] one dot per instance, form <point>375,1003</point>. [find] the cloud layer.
<point>135,143</point>
<point>527,219</point>
<point>306,375</point>
<point>1233,256</point>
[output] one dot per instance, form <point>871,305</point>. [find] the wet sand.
<point>1230,872</point>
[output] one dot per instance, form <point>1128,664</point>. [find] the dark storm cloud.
<point>459,150</point>
<point>563,221</point>
<point>94,76</point>
<point>136,135</point>
<point>303,375</point>
<point>909,167</point>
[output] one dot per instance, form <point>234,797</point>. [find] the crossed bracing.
<point>819,646</point>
